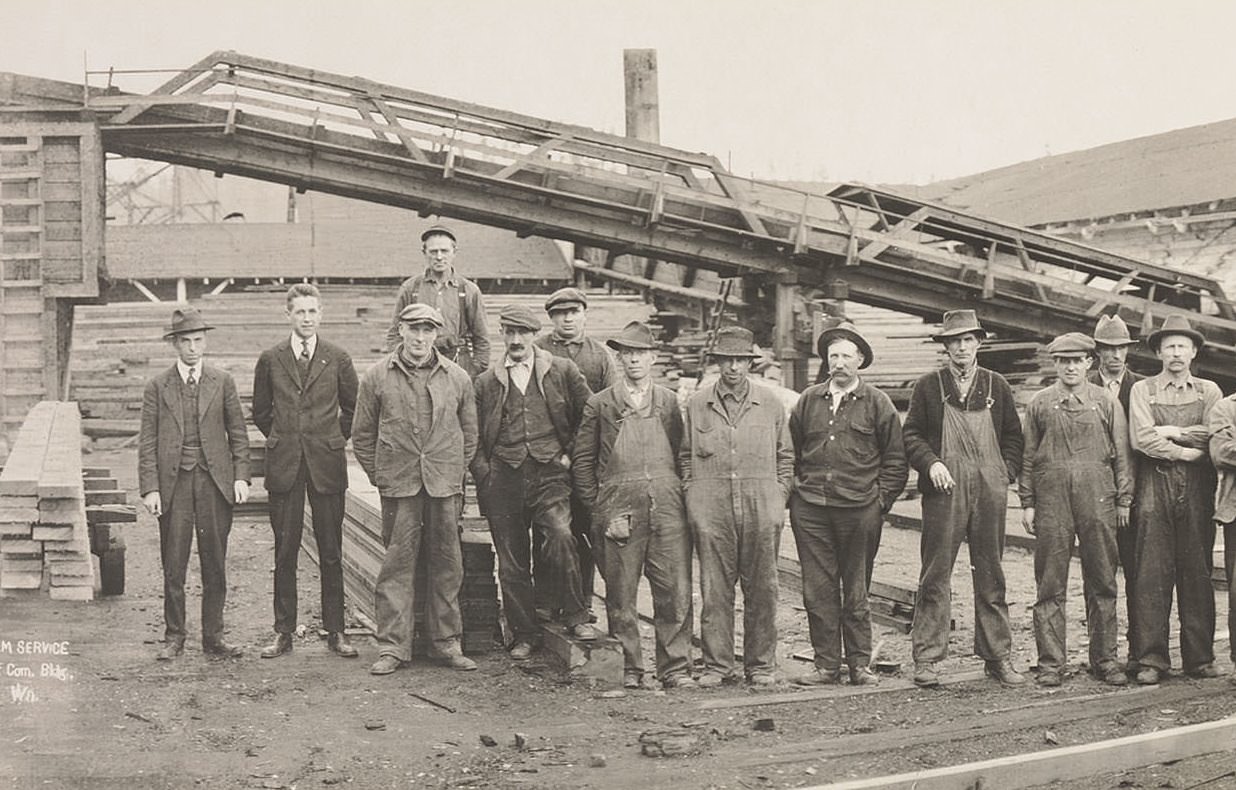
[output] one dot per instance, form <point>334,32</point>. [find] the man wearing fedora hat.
<point>626,470</point>
<point>1168,428</point>
<point>193,466</point>
<point>529,409</point>
<point>1222,426</point>
<point>568,312</point>
<point>737,464</point>
<point>849,468</point>
<point>963,437</point>
<point>1112,343</point>
<point>464,336</point>
<point>1075,484</point>
<point>415,433</point>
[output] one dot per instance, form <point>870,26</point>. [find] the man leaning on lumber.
<point>193,466</point>
<point>414,435</point>
<point>304,395</point>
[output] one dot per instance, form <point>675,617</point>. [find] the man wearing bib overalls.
<point>963,437</point>
<point>626,470</point>
<point>1175,507</point>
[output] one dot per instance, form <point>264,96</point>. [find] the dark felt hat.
<point>841,329</point>
<point>1175,324</point>
<point>959,322</point>
<point>520,317</point>
<point>417,313</point>
<point>1071,343</point>
<point>636,335</point>
<point>1112,331</point>
<point>439,230</point>
<point>184,321</point>
<point>734,341</point>
<point>565,297</point>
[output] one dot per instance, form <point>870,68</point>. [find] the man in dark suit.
<point>304,395</point>
<point>1111,343</point>
<point>193,466</point>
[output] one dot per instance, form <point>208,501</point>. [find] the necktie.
<point>302,362</point>
<point>191,379</point>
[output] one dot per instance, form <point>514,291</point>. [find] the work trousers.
<point>1176,537</point>
<point>413,526</point>
<point>287,519</point>
<point>833,551</point>
<point>534,498</point>
<point>199,507</point>
<point>1229,565</point>
<point>1075,500</point>
<point>736,547</point>
<point>587,552</point>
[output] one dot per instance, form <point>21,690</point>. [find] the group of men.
<point>581,462</point>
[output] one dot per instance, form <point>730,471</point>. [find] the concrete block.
<point>83,593</point>
<point>9,515</point>
<point>58,507</point>
<point>60,490</point>
<point>66,549</point>
<point>601,659</point>
<point>22,580</point>
<point>20,564</point>
<point>14,531</point>
<point>20,594</point>
<point>70,569</point>
<point>23,548</point>
<point>15,501</point>
<point>54,532</point>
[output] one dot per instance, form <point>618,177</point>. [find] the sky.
<point>882,92</point>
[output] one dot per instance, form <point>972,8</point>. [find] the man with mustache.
<point>529,408</point>
<point>963,437</point>
<point>849,468</point>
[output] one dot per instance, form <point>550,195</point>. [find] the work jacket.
<point>603,417</point>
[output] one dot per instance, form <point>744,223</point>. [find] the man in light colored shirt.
<point>1168,416</point>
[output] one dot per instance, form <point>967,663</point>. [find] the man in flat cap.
<point>568,311</point>
<point>737,466</point>
<point>464,337</point>
<point>849,468</point>
<point>963,437</point>
<point>1112,343</point>
<point>414,435</point>
<point>1168,428</point>
<point>626,470</point>
<point>304,394</point>
<point>1075,483</point>
<point>193,467</point>
<point>529,409</point>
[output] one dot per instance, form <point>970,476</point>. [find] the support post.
<point>639,69</point>
<point>793,361</point>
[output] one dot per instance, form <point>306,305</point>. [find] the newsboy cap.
<point>184,321</point>
<point>519,317</point>
<point>439,230</point>
<point>636,335</point>
<point>1070,343</point>
<point>564,298</point>
<point>417,313</point>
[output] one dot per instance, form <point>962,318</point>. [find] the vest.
<point>191,453</point>
<point>526,428</point>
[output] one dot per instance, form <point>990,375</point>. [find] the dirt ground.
<point>83,704</point>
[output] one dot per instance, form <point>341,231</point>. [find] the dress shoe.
<point>632,680</point>
<point>521,651</point>
<point>584,632</point>
<point>926,675</point>
<point>1049,678</point>
<point>1149,676</point>
<point>171,650</point>
<point>217,647</point>
<point>337,643</point>
<point>863,676</point>
<point>1204,672</point>
<point>281,645</point>
<point>385,665</point>
<point>1002,671</point>
<point>456,661</point>
<point>682,680</point>
<point>763,679</point>
<point>820,677</point>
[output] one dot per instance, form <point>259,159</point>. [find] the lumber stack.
<point>44,535</point>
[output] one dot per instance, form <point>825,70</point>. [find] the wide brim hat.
<point>519,317</point>
<point>734,341</point>
<point>1175,324</point>
<point>841,329</point>
<point>959,322</point>
<point>1111,330</point>
<point>184,321</point>
<point>635,335</point>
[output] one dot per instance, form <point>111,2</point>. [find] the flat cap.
<point>565,297</point>
<point>734,341</point>
<point>439,230</point>
<point>1071,343</point>
<point>519,317</point>
<point>417,313</point>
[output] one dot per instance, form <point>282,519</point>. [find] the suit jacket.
<point>1126,384</point>
<point>560,383</point>
<point>603,416</point>
<point>308,420</point>
<point>225,442</point>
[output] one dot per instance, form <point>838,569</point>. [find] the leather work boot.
<point>217,647</point>
<point>820,677</point>
<point>926,675</point>
<point>863,676</point>
<point>1149,676</point>
<point>764,679</point>
<point>1003,672</point>
<point>385,665</point>
<point>632,680</point>
<point>456,661</point>
<point>521,651</point>
<point>1049,678</point>
<point>679,681</point>
<point>281,645</point>
<point>337,642</point>
<point>1113,675</point>
<point>1204,672</point>
<point>584,632</point>
<point>171,649</point>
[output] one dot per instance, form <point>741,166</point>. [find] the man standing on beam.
<point>414,434</point>
<point>737,468</point>
<point>1168,428</point>
<point>464,336</point>
<point>1075,484</point>
<point>963,437</point>
<point>529,409</point>
<point>304,395</point>
<point>849,468</point>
